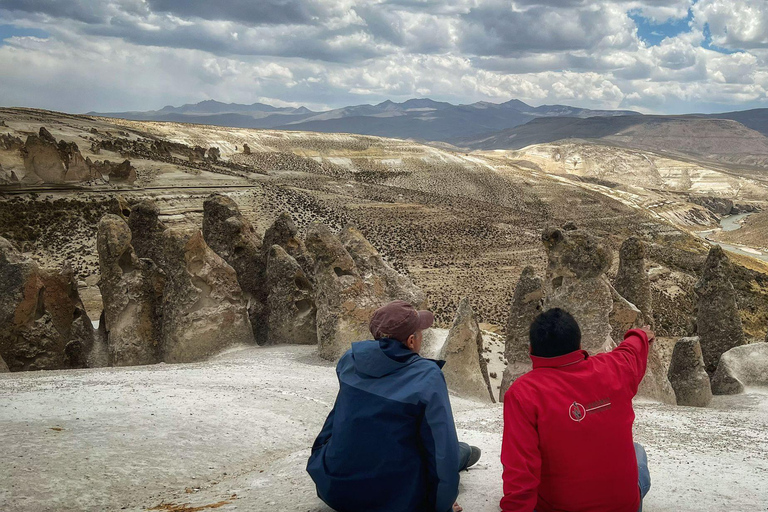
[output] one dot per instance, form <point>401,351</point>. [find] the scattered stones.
<point>132,291</point>
<point>687,374</point>
<point>344,302</point>
<point>204,310</point>
<point>526,304</point>
<point>283,232</point>
<point>739,367</point>
<point>291,306</point>
<point>717,318</point>
<point>384,280</point>
<point>147,231</point>
<point>233,238</point>
<point>43,325</point>
<point>632,281</point>
<point>576,282</point>
<point>465,369</point>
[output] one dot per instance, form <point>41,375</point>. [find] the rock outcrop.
<point>742,366</point>
<point>717,318</point>
<point>132,291</point>
<point>122,172</point>
<point>204,310</point>
<point>526,304</point>
<point>232,237</point>
<point>47,161</point>
<point>283,232</point>
<point>377,273</point>
<point>632,281</point>
<point>465,369</point>
<point>43,324</point>
<point>576,282</point>
<point>291,305</point>
<point>687,374</point>
<point>3,366</point>
<point>147,231</point>
<point>344,303</point>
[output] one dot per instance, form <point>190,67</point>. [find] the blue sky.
<point>655,56</point>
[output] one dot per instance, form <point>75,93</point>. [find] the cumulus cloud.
<point>142,54</point>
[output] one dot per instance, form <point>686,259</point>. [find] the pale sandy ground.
<point>198,434</point>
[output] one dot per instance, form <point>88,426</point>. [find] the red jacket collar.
<point>559,361</point>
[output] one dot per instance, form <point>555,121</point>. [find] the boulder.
<point>283,232</point>
<point>147,231</point>
<point>632,281</point>
<point>576,282</point>
<point>232,237</point>
<point>687,374</point>
<point>526,304</point>
<point>739,367</point>
<point>204,309</point>
<point>344,302</point>
<point>718,322</point>
<point>43,324</point>
<point>214,154</point>
<point>132,292</point>
<point>377,273</point>
<point>118,172</point>
<point>291,304</point>
<point>465,369</point>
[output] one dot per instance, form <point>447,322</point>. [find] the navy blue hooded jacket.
<point>389,443</point>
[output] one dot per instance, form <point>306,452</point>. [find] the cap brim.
<point>426,319</point>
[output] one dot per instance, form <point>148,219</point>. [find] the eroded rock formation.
<point>47,161</point>
<point>465,369</point>
<point>377,273</point>
<point>632,281</point>
<point>687,374</point>
<point>232,237</point>
<point>291,305</point>
<point>527,302</point>
<point>718,321</point>
<point>147,231</point>
<point>204,310</point>
<point>3,366</point>
<point>576,282</point>
<point>43,324</point>
<point>283,232</point>
<point>132,291</point>
<point>742,366</point>
<point>344,302</point>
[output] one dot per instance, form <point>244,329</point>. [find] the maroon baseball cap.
<point>399,320</point>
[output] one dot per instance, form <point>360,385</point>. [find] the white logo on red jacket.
<point>578,412</point>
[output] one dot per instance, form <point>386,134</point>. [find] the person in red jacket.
<point>567,442</point>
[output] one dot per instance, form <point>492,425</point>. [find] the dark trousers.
<point>464,452</point>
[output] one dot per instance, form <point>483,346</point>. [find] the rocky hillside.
<point>458,224</point>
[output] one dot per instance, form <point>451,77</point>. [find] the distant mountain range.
<point>731,137</point>
<point>420,119</point>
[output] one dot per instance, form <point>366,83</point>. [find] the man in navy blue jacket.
<point>389,443</point>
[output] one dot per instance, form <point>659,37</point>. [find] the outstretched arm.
<point>520,457</point>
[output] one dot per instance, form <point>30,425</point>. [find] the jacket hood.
<point>378,358</point>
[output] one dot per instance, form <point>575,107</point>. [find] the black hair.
<point>554,333</point>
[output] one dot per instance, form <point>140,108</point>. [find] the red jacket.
<point>567,443</point>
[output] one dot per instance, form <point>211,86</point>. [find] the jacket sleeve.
<point>325,434</point>
<point>520,457</point>
<point>632,357</point>
<point>438,435</point>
